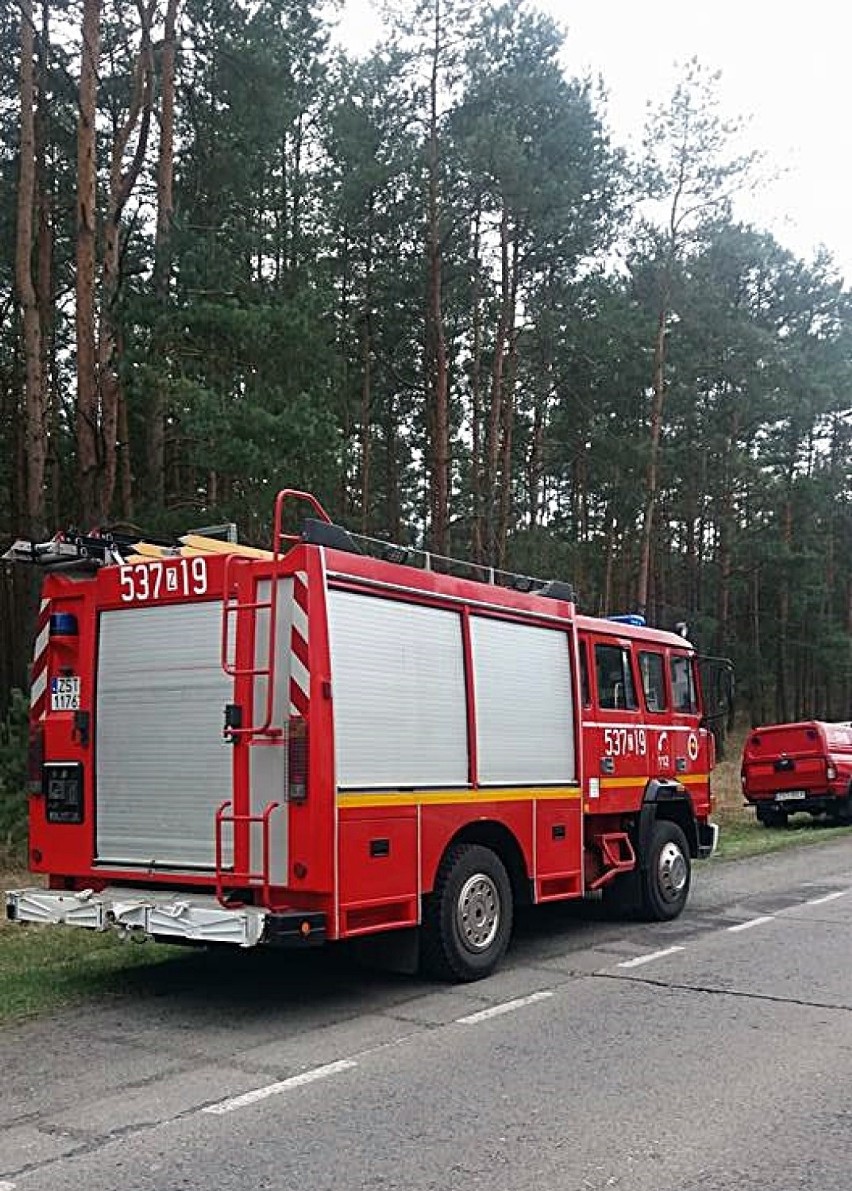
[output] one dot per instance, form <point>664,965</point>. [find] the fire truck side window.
<point>652,669</point>
<point>615,680</point>
<point>683,685</point>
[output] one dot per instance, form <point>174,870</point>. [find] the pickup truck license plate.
<point>790,795</point>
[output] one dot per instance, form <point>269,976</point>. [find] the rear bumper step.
<point>196,918</point>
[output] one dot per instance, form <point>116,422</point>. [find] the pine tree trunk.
<point>367,371</point>
<point>344,485</point>
<point>34,400</point>
<point>394,508</point>
<point>44,273</point>
<point>437,369</point>
<point>783,709</point>
<point>725,534</point>
<point>125,472</point>
<point>652,482</point>
<point>497,395</point>
<point>508,418</point>
<point>87,413</point>
<point>477,533</point>
<point>156,445</point>
<point>121,184</point>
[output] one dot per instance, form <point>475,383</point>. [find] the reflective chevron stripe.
<point>38,685</point>
<point>300,676</point>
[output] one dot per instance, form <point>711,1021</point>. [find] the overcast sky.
<point>784,66</point>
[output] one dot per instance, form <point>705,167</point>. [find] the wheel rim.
<point>672,872</point>
<point>478,912</point>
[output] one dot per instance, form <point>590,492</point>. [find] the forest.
<point>430,287</point>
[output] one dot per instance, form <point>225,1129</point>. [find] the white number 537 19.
<point>143,581</point>
<point>625,742</point>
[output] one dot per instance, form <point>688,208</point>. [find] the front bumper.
<point>708,839</point>
<point>169,915</point>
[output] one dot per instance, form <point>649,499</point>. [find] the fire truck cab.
<point>314,743</point>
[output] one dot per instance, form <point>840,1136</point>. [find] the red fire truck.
<point>403,746</point>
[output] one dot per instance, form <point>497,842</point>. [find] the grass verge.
<point>745,837</point>
<point>48,967</point>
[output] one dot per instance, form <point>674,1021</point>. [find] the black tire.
<point>666,873</point>
<point>841,813</point>
<point>467,919</point>
<point>772,816</point>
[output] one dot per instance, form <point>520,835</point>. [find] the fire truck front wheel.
<point>666,873</point>
<point>467,919</point>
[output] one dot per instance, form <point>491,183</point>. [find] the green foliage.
<point>13,777</point>
<point>289,345</point>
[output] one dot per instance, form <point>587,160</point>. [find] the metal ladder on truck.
<point>239,619</point>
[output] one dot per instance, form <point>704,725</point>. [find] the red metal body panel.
<point>440,824</point>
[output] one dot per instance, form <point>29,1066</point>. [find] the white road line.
<point>829,897</point>
<point>506,1007</point>
<point>646,959</point>
<point>274,1089</point>
<point>751,922</point>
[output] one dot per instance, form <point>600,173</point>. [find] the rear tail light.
<point>35,758</point>
<point>831,771</point>
<point>297,760</point>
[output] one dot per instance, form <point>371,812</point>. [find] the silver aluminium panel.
<point>524,709</point>
<point>399,693</point>
<point>268,755</point>
<point>162,766</point>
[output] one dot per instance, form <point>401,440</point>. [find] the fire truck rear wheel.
<point>467,919</point>
<point>666,873</point>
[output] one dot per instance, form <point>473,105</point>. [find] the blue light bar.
<point>63,624</point>
<point>630,618</point>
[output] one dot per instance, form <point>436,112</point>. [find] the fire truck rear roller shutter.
<point>399,693</point>
<point>162,765</point>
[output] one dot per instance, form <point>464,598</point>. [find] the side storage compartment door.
<point>400,725</point>
<point>378,870</point>
<point>559,847</point>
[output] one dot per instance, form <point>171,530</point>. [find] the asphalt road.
<point>714,1052</point>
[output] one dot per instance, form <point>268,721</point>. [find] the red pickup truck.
<point>799,767</point>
